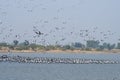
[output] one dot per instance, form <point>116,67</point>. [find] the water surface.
<point>26,71</point>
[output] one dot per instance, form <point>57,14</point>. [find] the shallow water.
<point>22,71</point>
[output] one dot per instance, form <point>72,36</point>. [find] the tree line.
<point>90,45</point>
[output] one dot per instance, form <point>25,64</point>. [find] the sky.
<point>60,21</point>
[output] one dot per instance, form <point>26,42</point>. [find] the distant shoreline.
<point>61,51</point>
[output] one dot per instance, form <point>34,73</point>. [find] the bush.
<point>22,48</point>
<point>88,49</point>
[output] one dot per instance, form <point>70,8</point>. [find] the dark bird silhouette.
<point>39,33</point>
<point>62,39</point>
<point>56,28</point>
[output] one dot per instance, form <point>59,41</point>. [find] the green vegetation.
<point>118,46</point>
<point>90,45</point>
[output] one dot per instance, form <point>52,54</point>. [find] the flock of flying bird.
<point>82,34</point>
<point>40,37</point>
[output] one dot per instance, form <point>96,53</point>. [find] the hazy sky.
<point>61,21</point>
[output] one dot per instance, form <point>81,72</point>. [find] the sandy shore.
<point>61,51</point>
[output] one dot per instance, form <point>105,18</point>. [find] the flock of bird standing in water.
<point>82,34</point>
